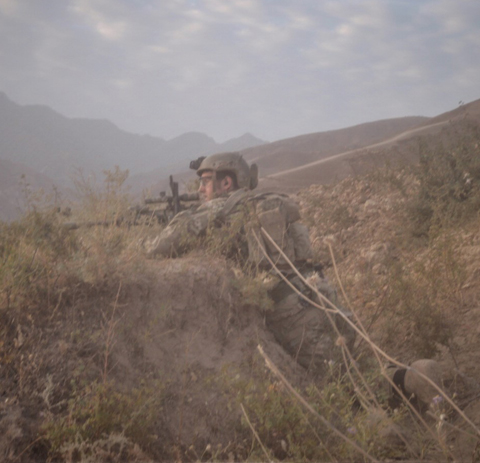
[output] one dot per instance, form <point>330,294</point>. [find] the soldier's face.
<point>211,187</point>
<point>207,186</point>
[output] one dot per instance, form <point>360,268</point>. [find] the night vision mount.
<point>194,165</point>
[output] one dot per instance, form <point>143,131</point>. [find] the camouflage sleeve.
<point>177,236</point>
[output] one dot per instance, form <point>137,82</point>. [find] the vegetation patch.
<point>107,357</point>
<point>98,415</point>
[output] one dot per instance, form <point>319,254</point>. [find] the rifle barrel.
<point>186,197</point>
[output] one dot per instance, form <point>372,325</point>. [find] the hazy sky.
<point>274,68</point>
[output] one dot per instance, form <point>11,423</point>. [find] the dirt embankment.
<point>185,329</point>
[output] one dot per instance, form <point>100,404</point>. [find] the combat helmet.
<point>247,176</point>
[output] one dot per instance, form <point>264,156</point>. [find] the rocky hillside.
<point>397,149</point>
<point>298,151</point>
<point>106,356</point>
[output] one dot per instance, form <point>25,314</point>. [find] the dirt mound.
<point>184,330</point>
<point>192,328</point>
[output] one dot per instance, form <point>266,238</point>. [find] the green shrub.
<point>289,432</point>
<point>106,202</point>
<point>449,181</point>
<point>43,258</point>
<point>422,292</point>
<point>35,253</point>
<point>97,411</point>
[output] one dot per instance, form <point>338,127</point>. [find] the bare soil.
<point>184,326</point>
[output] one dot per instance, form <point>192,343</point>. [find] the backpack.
<point>279,216</point>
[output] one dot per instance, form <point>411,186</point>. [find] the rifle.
<point>168,206</point>
<point>100,223</point>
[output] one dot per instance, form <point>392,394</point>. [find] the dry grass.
<point>403,288</point>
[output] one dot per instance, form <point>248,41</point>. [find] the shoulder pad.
<point>269,201</point>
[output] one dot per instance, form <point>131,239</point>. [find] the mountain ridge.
<point>400,148</point>
<point>45,140</point>
<point>286,165</point>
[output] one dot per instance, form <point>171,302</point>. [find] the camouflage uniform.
<point>303,330</point>
<point>174,239</point>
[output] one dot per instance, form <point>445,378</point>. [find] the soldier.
<point>309,334</point>
<point>226,181</point>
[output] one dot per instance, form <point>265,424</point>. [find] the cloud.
<point>273,68</point>
<point>103,16</point>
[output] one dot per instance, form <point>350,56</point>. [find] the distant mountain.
<point>191,145</point>
<point>277,156</point>
<point>291,164</point>
<point>238,144</point>
<point>396,149</point>
<point>53,144</point>
<point>200,145</point>
<point>291,153</point>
